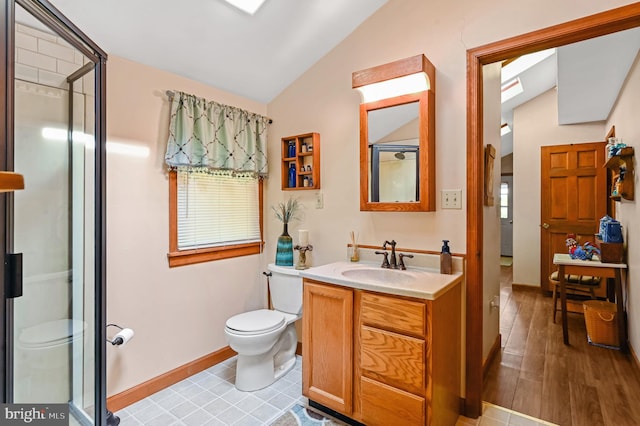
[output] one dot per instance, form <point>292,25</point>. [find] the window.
<point>213,217</point>
<point>504,200</point>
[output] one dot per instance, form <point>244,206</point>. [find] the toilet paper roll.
<point>123,336</point>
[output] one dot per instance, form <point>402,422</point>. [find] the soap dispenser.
<point>445,258</point>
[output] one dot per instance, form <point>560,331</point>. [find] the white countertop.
<point>414,282</point>
<point>565,259</point>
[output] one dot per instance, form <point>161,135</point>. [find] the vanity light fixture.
<point>248,6</point>
<point>11,181</point>
<point>410,75</point>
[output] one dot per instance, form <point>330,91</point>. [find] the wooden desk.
<point>594,268</point>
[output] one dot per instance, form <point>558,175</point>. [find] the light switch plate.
<point>319,200</point>
<point>451,198</point>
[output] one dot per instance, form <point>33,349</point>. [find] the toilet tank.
<point>285,284</point>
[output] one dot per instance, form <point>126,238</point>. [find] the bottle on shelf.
<point>292,175</point>
<point>303,147</point>
<point>292,149</point>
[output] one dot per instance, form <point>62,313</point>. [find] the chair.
<point>577,284</point>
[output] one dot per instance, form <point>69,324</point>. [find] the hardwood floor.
<point>536,374</point>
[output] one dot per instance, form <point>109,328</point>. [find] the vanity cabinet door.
<point>327,345</point>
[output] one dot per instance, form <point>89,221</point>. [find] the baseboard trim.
<point>151,386</point>
<point>526,287</point>
<point>493,352</point>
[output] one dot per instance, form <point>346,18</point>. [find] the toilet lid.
<point>260,321</point>
<point>52,332</point>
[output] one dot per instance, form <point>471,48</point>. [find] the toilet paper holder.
<point>122,337</point>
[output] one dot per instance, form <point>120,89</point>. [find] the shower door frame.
<point>55,20</point>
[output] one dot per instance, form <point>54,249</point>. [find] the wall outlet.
<point>319,200</point>
<point>451,198</point>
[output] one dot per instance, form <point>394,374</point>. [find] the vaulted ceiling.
<point>255,56</point>
<point>258,56</point>
<point>588,76</point>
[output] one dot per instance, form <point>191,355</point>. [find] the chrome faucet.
<point>393,264</point>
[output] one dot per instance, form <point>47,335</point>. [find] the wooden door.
<point>327,345</point>
<point>573,198</point>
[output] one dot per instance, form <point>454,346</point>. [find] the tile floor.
<point>210,398</point>
<point>492,415</point>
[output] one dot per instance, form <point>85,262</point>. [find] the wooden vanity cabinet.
<point>406,355</point>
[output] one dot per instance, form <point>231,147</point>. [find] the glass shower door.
<point>54,222</point>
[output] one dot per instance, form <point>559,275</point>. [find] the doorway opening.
<point>581,29</point>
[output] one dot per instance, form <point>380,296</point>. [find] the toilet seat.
<point>51,333</point>
<point>255,322</point>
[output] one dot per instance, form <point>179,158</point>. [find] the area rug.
<point>305,416</point>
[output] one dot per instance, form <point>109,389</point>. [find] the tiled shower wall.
<point>46,59</point>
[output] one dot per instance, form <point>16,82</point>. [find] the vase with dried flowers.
<point>286,212</point>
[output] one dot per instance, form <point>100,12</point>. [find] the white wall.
<point>535,124</point>
<point>179,313</point>
<point>491,214</point>
<point>625,117</point>
<point>322,100</point>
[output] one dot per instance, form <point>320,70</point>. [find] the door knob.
<point>545,225</point>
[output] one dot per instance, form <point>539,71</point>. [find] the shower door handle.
<point>12,275</point>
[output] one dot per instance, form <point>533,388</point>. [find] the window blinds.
<point>217,210</point>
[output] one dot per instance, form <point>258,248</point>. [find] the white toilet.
<point>266,340</point>
<point>45,351</point>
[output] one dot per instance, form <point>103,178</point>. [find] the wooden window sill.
<point>190,257</point>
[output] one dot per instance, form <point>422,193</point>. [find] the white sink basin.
<point>414,282</point>
<point>379,276</point>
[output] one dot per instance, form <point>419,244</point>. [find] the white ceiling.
<point>213,42</point>
<point>588,76</point>
<point>258,56</point>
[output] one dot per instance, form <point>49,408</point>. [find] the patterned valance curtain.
<point>208,136</point>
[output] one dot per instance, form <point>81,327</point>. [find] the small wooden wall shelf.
<point>624,160</point>
<point>306,161</point>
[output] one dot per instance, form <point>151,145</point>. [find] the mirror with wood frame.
<point>397,141</point>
